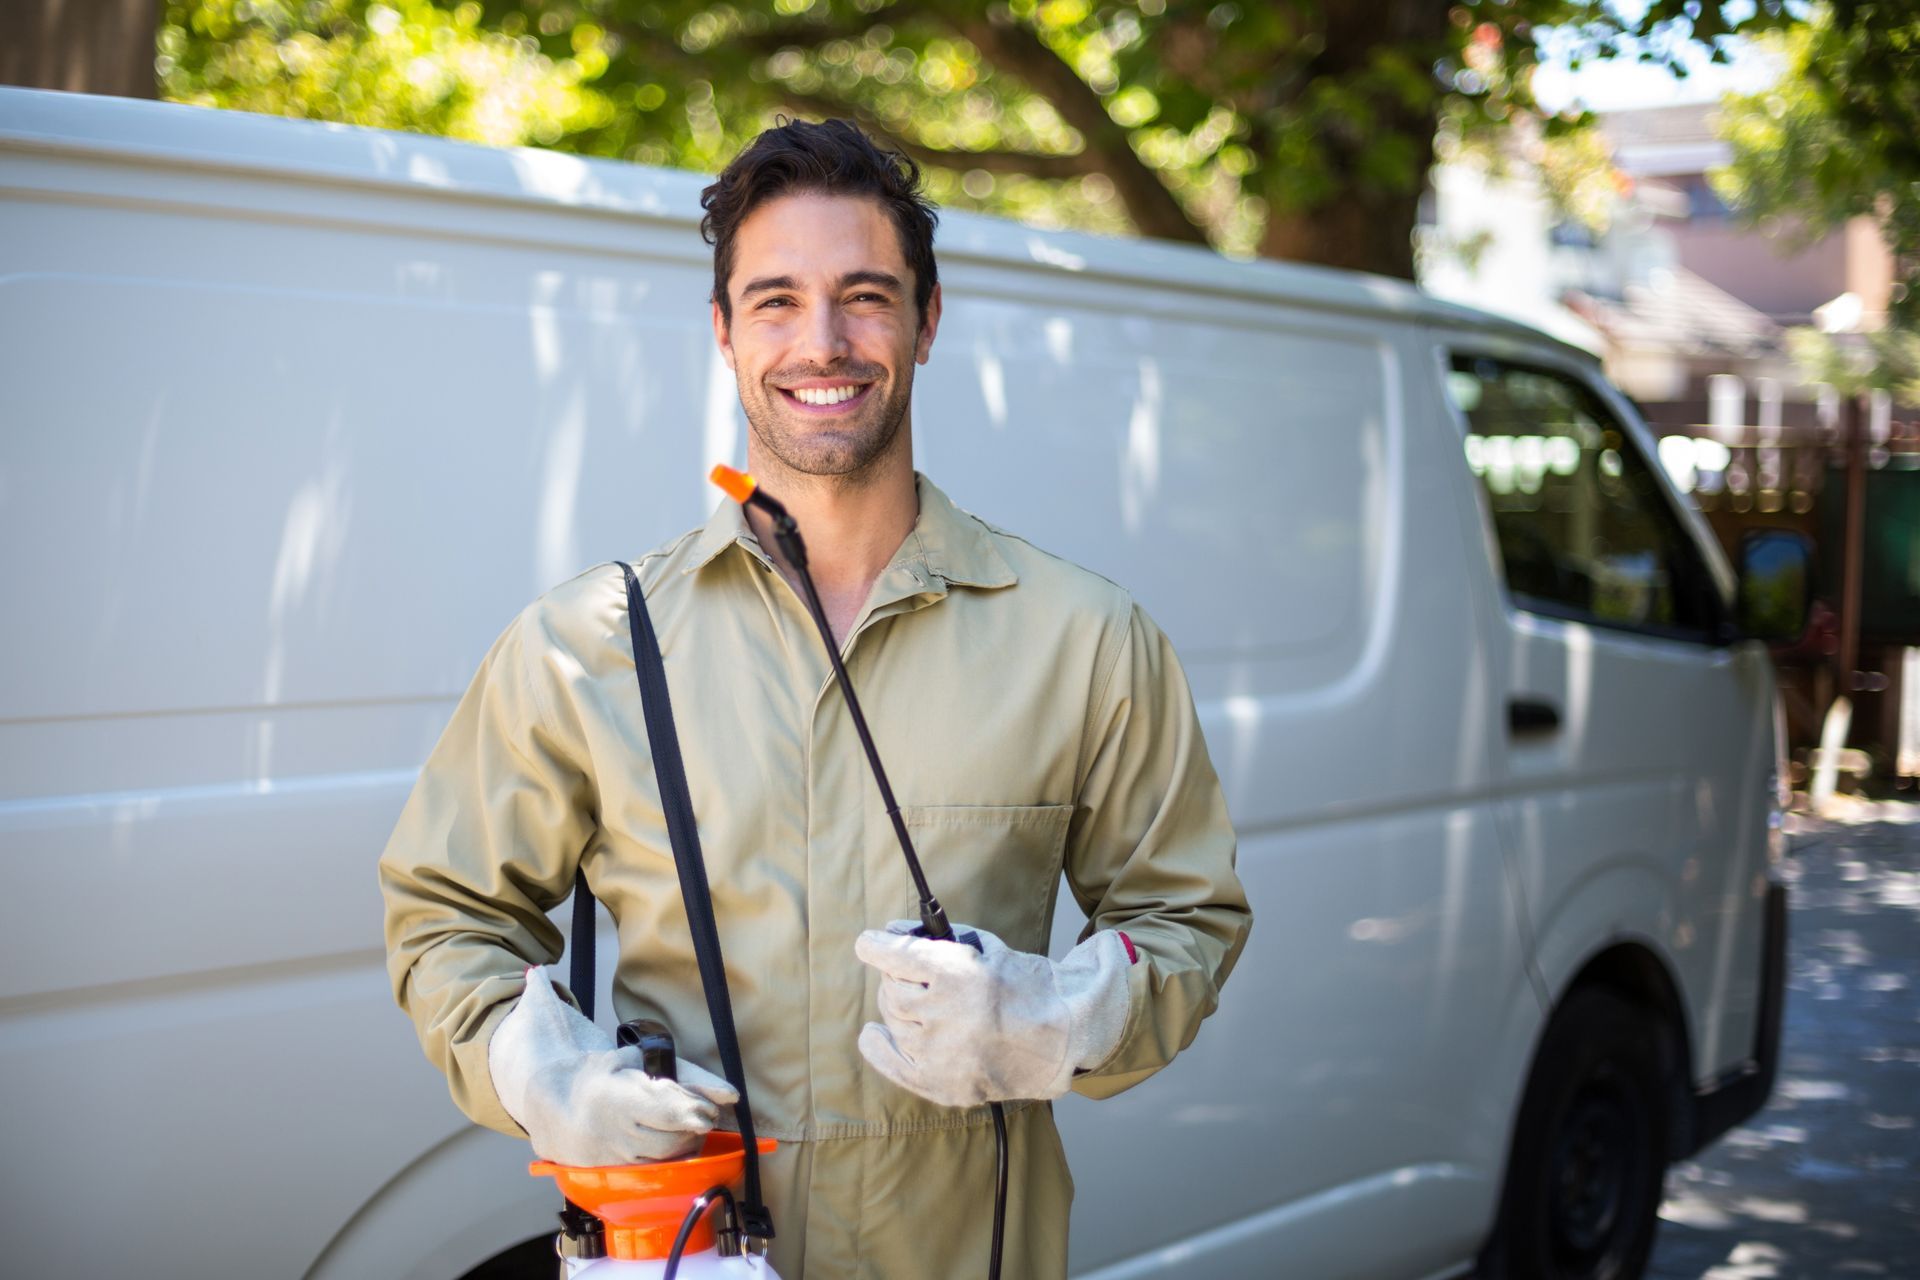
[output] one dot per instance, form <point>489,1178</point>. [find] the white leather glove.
<point>965,1027</point>
<point>585,1102</point>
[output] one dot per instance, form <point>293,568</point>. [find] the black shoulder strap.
<point>580,978</point>
<point>684,835</point>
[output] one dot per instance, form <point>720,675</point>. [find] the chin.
<point>825,448</point>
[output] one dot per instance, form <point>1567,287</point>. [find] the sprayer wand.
<point>744,489</point>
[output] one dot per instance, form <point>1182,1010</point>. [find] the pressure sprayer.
<point>656,1219</point>
<point>744,489</point>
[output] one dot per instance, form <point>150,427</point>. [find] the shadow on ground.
<point>1822,1182</point>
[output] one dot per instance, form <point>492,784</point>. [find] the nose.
<point>823,336</point>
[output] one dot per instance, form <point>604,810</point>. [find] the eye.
<point>769,302</point>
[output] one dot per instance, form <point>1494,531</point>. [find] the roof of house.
<point>1681,313</point>
<point>1650,141</point>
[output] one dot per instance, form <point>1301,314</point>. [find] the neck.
<point>852,525</point>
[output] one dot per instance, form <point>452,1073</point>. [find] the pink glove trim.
<point>1133,957</point>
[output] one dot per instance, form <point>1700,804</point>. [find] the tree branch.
<point>659,43</point>
<point>812,33</point>
<point>1032,164</point>
<point>1011,47</point>
<point>1016,48</point>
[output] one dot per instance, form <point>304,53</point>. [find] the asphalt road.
<point>1823,1183</point>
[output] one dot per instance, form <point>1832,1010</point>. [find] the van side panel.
<point>287,457</point>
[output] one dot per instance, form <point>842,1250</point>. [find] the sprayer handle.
<point>965,937</point>
<point>656,1047</point>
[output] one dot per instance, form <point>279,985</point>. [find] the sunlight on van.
<point>1059,337</point>
<point>1140,472</point>
<point>544,325</point>
<point>1054,256</point>
<point>557,541</point>
<point>422,169</point>
<point>993,382</point>
<point>723,421</point>
<point>551,173</point>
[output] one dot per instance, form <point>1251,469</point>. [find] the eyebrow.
<point>767,284</point>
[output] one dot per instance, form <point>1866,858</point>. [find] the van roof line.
<point>192,137</point>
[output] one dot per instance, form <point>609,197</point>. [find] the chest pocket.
<point>992,865</point>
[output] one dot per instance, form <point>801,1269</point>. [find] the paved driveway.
<point>1825,1182</point>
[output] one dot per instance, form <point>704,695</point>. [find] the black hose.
<point>687,1223</point>
<point>999,1189</point>
<point>933,919</point>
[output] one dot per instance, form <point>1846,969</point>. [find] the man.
<point>1032,719</point>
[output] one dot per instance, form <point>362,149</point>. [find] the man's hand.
<point>965,1027</point>
<point>584,1102</point>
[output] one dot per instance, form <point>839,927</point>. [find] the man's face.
<point>824,334</point>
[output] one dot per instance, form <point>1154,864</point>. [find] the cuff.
<point>470,1078</point>
<point>1092,980</point>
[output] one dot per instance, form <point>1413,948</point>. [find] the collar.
<point>954,545</point>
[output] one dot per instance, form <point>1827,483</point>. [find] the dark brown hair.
<point>832,157</point>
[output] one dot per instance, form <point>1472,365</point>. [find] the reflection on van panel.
<point>299,415</point>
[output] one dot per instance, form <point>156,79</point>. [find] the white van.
<point>294,418</point>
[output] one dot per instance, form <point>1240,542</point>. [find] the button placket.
<point>899,589</point>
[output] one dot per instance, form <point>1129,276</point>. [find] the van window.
<point>1583,528</point>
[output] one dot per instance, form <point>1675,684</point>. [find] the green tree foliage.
<point>1300,129</point>
<point>1885,359</point>
<point>402,64</point>
<point>1838,137</point>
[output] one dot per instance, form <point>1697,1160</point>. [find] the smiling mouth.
<point>826,399</point>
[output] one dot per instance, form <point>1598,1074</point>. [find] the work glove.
<point>963,1027</point>
<point>585,1102</point>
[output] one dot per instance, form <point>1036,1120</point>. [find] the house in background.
<point>1675,293</point>
<point>1719,294</point>
<point>1688,310</point>
<point>1670,150</point>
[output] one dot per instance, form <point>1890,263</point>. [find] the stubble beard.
<point>838,453</point>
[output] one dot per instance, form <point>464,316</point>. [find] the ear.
<point>923,347</point>
<point>720,334</point>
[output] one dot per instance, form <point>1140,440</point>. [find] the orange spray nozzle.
<point>745,490</point>
<point>738,484</point>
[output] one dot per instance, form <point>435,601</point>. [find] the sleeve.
<point>1150,851</point>
<point>486,845</point>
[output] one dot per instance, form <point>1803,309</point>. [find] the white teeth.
<point>825,395</point>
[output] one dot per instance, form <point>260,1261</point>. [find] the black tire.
<point>529,1260</point>
<point>1589,1157</point>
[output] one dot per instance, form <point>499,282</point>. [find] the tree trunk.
<point>1363,227</point>
<point>82,46</point>
<point>1360,231</point>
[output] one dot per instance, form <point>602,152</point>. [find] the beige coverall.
<point>1031,718</point>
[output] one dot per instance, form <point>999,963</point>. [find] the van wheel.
<point>1584,1179</point>
<point>529,1260</point>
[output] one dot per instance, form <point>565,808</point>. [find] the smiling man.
<point>1034,722</point>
